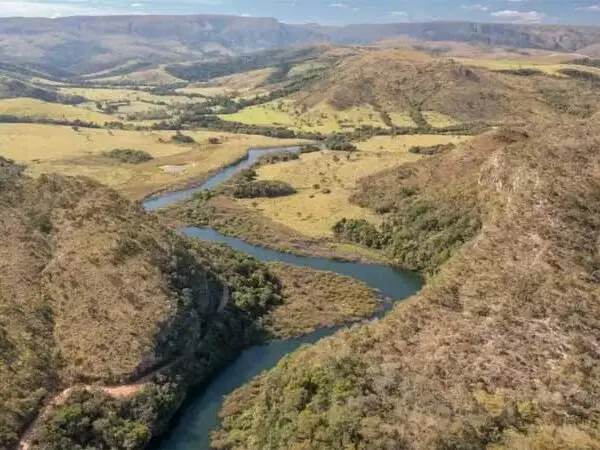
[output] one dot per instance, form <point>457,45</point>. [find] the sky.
<point>332,12</point>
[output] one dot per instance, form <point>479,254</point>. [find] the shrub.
<point>129,156</point>
<point>263,188</point>
<point>181,138</point>
<point>432,149</point>
<point>339,142</point>
<point>361,231</point>
<point>522,72</point>
<point>274,158</point>
<point>309,148</point>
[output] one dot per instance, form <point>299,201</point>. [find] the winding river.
<point>200,416</point>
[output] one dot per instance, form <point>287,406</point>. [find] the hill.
<point>97,292</point>
<point>498,350</point>
<point>406,88</point>
<point>11,87</point>
<point>74,46</point>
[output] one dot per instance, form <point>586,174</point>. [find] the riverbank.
<point>236,220</point>
<point>200,418</point>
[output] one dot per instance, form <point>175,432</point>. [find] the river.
<point>200,415</point>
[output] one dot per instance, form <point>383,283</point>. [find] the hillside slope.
<point>95,291</point>
<point>500,348</point>
<point>394,81</point>
<point>14,88</point>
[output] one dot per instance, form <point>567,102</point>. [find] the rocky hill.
<point>498,351</point>
<point>95,292</point>
<point>83,45</point>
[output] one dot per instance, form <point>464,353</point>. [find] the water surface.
<point>172,197</point>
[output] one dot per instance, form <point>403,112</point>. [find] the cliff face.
<point>94,292</point>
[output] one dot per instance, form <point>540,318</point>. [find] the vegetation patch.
<point>324,182</point>
<point>180,138</point>
<point>263,188</point>
<point>314,299</point>
<point>130,156</point>
<point>432,150</point>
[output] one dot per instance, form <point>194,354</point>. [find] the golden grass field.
<point>320,118</point>
<point>49,148</point>
<point>155,76</point>
<point>311,211</point>
<point>547,66</point>
<point>118,94</point>
<point>401,144</point>
<point>30,107</point>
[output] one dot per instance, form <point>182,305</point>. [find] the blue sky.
<point>328,12</point>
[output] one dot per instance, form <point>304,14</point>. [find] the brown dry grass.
<point>314,299</point>
<point>49,148</point>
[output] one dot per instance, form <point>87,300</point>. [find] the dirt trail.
<point>118,392</point>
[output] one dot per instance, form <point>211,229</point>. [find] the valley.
<point>396,238</point>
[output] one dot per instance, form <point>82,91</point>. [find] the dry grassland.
<point>547,66</point>
<point>116,94</point>
<point>155,76</point>
<point>320,118</point>
<point>324,181</point>
<point>401,144</point>
<point>49,148</point>
<point>30,107</point>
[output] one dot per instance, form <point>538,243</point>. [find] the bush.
<point>263,188</point>
<point>361,231</point>
<point>521,72</point>
<point>129,156</point>
<point>431,150</point>
<point>309,148</point>
<point>274,158</point>
<point>339,142</point>
<point>181,138</point>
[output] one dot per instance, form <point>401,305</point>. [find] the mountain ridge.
<point>81,45</point>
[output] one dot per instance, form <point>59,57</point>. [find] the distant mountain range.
<point>83,45</point>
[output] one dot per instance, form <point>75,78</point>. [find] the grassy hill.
<point>394,82</point>
<point>11,87</point>
<point>385,88</point>
<point>499,349</point>
<point>137,300</point>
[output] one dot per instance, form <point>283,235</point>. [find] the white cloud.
<point>29,8</point>
<point>590,8</point>
<point>398,13</point>
<point>60,8</point>
<point>476,7</point>
<point>519,16</point>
